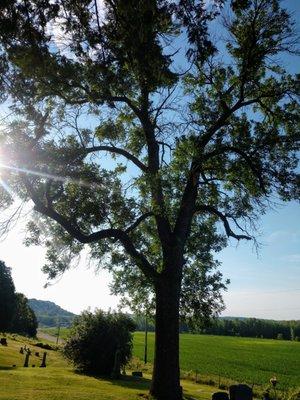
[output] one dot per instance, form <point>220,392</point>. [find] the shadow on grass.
<point>128,381</point>
<point>131,382</point>
<point>6,368</point>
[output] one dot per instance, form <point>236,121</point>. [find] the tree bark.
<point>166,373</point>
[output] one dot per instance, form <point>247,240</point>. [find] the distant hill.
<point>50,314</point>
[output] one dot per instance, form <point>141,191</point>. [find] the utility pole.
<point>58,330</point>
<point>146,340</point>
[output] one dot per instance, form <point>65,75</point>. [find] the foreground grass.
<point>226,358</point>
<point>59,381</point>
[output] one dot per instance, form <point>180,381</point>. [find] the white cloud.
<point>284,236</point>
<point>277,304</point>
<point>292,258</point>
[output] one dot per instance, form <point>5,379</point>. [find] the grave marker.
<point>26,362</point>
<point>43,365</point>
<point>220,396</point>
<point>240,392</point>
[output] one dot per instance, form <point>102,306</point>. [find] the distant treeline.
<point>246,327</point>
<point>253,327</point>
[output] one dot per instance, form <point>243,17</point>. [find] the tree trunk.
<point>166,374</point>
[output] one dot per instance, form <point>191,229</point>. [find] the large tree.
<point>24,320</point>
<point>7,297</point>
<point>138,136</point>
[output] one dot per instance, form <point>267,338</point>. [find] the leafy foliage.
<point>94,340</point>
<point>253,327</point>
<point>24,320</point>
<point>197,144</point>
<point>7,297</point>
<point>15,313</point>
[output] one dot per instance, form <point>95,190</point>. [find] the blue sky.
<point>264,284</point>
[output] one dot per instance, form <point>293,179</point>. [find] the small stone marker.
<point>43,365</point>
<point>220,396</point>
<point>3,341</point>
<point>240,392</point>
<point>37,354</point>
<point>26,362</point>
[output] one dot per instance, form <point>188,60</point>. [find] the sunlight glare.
<point>64,179</point>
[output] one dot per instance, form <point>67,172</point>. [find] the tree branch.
<point>187,206</point>
<point>116,150</point>
<point>229,232</point>
<point>162,221</point>
<point>139,220</point>
<point>222,149</point>
<point>76,233</point>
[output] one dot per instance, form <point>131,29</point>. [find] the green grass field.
<point>240,359</point>
<point>59,381</point>
<point>253,361</point>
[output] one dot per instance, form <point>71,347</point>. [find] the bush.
<point>94,340</point>
<point>46,346</point>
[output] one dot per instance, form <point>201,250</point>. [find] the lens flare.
<point>58,178</point>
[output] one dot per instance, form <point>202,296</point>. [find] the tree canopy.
<point>7,297</point>
<point>24,320</point>
<point>141,138</point>
<point>15,313</point>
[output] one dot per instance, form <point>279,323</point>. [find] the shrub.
<point>94,340</point>
<point>45,346</point>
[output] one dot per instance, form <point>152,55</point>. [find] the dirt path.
<point>50,338</point>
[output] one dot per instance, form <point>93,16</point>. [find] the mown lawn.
<point>249,360</point>
<point>59,381</point>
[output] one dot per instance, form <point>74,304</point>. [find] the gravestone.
<point>26,362</point>
<point>3,341</point>
<point>43,365</point>
<point>116,373</point>
<point>240,392</point>
<point>220,396</point>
